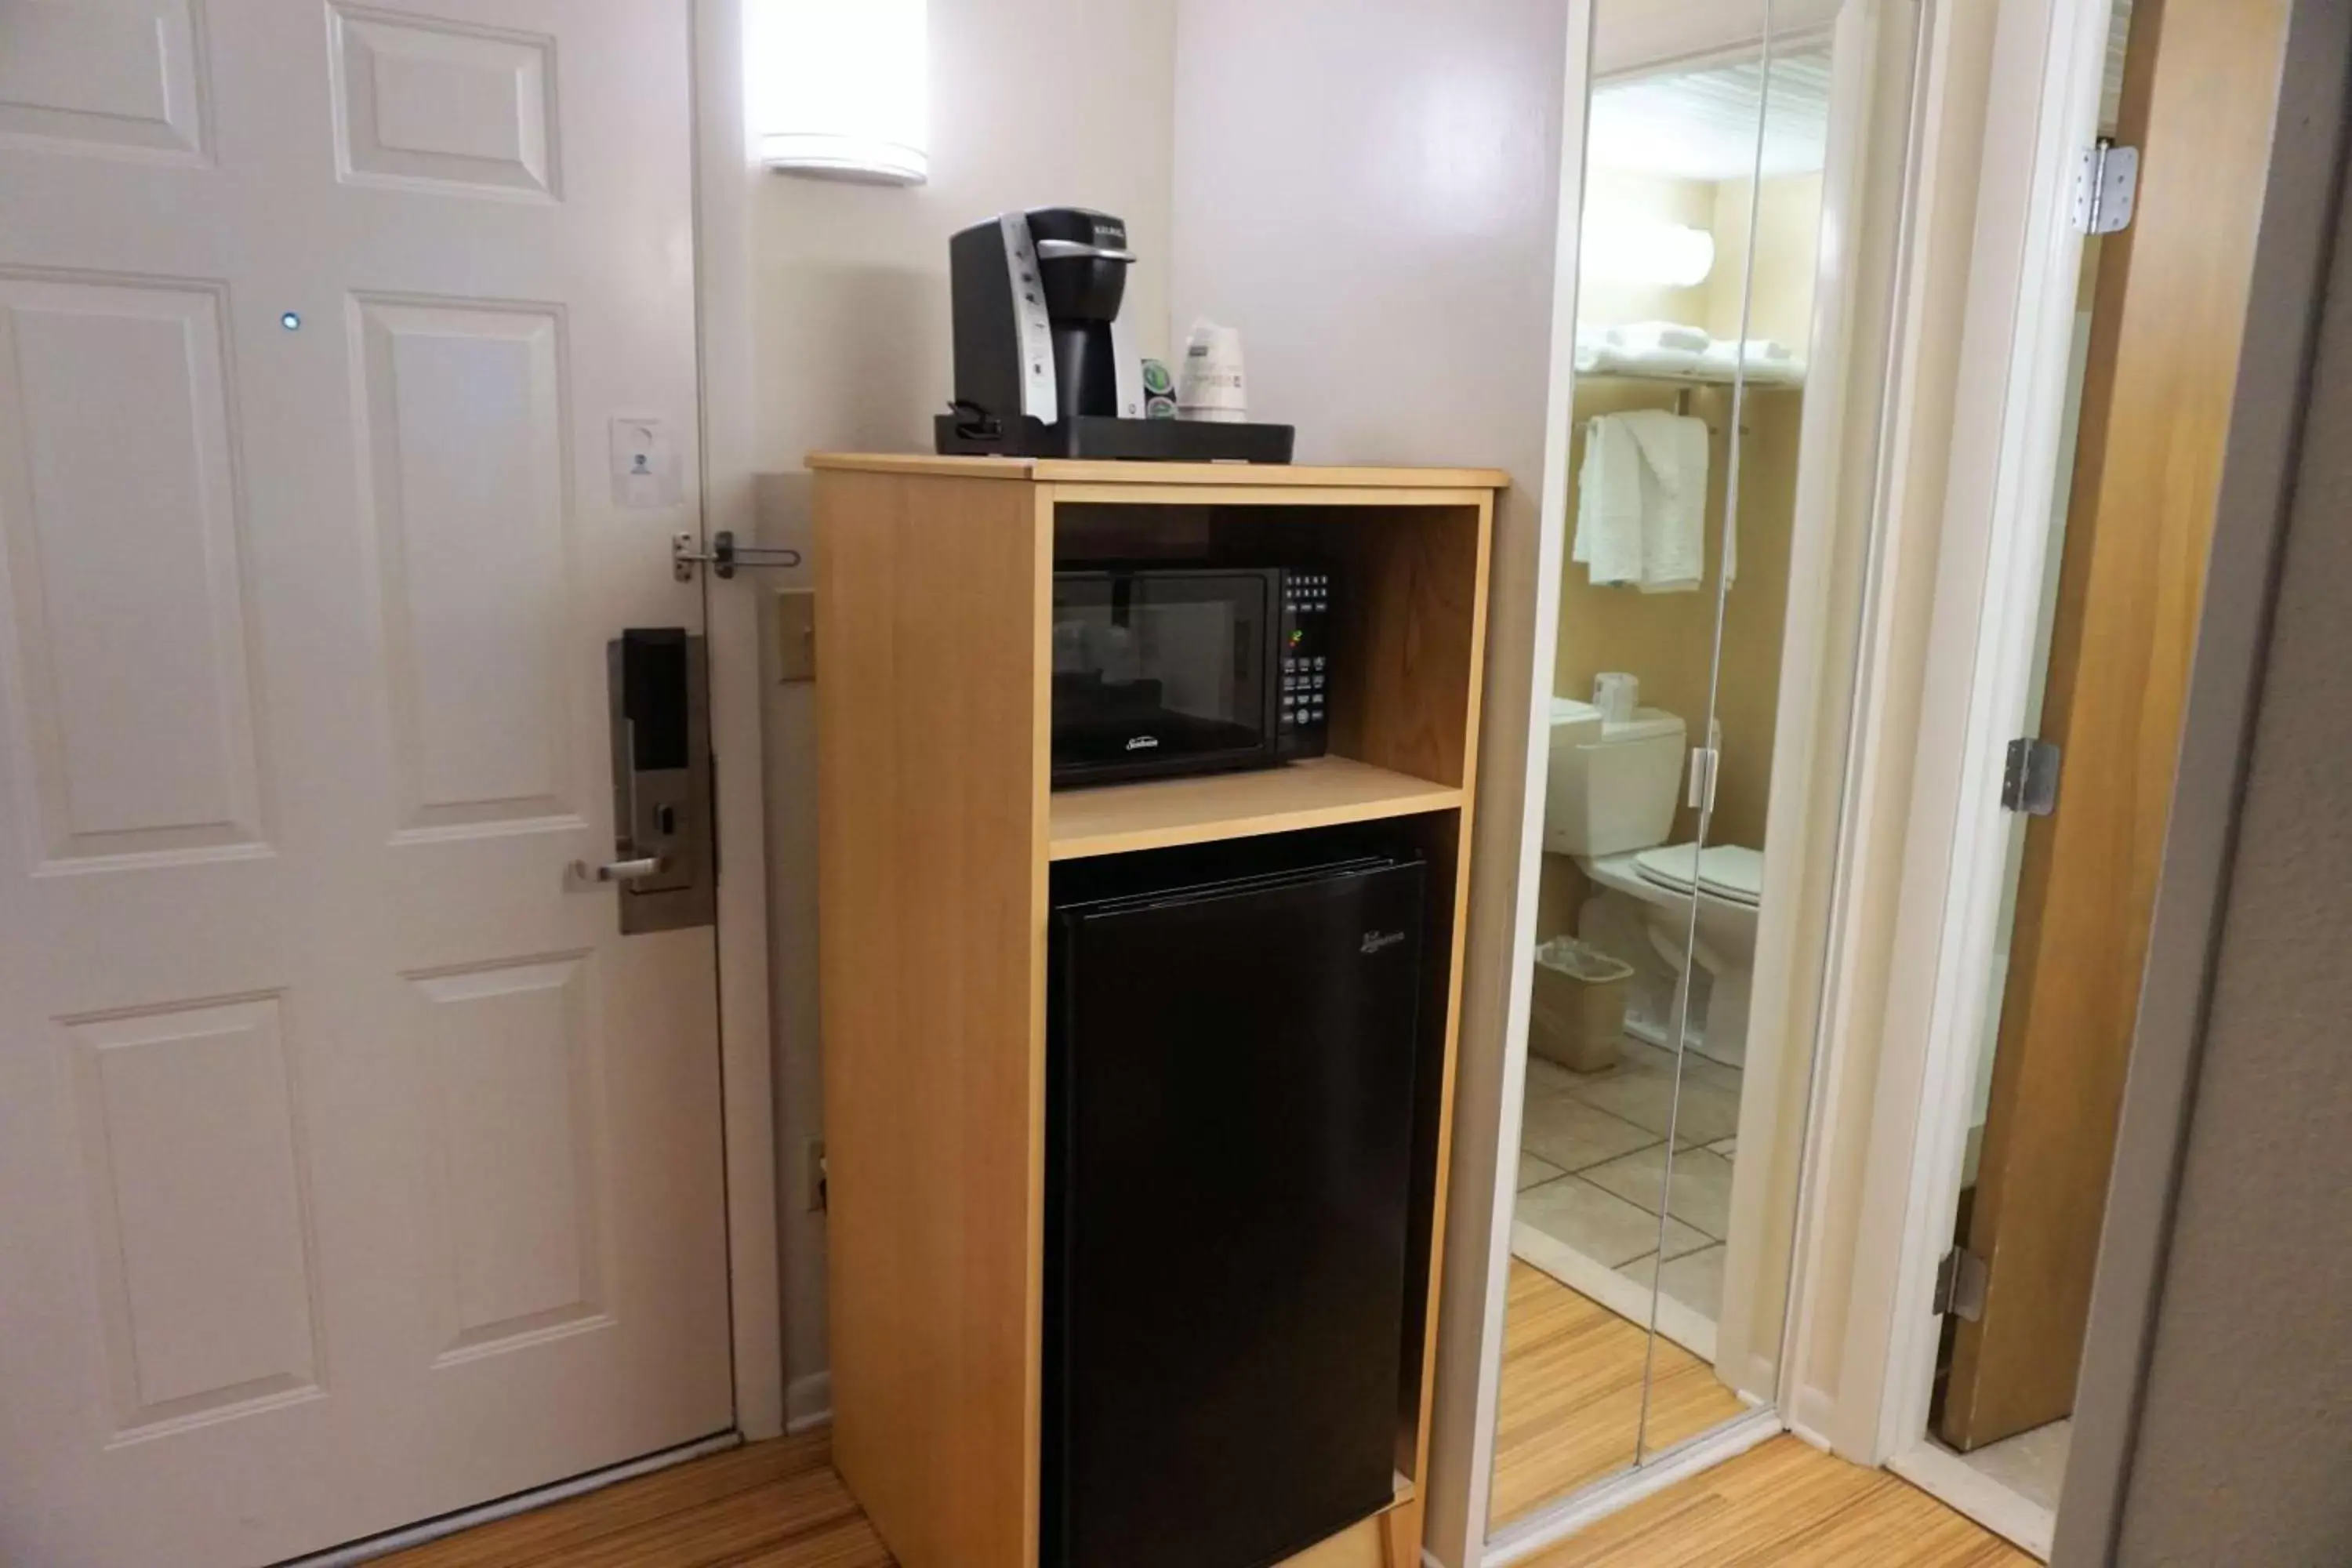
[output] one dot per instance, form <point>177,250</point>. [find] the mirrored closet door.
<point>1665,1087</point>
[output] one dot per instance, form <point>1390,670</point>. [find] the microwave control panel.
<point>1306,659</point>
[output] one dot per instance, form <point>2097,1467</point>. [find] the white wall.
<point>1369,190</point>
<point>1033,103</point>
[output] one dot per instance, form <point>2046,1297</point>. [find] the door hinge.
<point>2107,184</point>
<point>1960,1286</point>
<point>2029,781</point>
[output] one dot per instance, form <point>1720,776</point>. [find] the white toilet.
<point>1611,803</point>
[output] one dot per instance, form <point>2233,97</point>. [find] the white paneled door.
<point>353,1168</point>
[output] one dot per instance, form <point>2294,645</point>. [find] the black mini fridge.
<point>1230,1079</point>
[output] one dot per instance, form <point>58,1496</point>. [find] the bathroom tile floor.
<point>1593,1156</point>
<point>2032,1464</point>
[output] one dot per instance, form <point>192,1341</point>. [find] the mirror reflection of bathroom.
<point>1702,206</point>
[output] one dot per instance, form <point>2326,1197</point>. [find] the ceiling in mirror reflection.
<point>1701,125</point>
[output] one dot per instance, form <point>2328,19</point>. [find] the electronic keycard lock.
<point>659,680</point>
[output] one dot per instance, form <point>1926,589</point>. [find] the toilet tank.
<point>1613,787</point>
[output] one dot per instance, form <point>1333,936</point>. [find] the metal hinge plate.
<point>2029,780</point>
<point>2107,184</point>
<point>1961,1285</point>
<point>1705,767</point>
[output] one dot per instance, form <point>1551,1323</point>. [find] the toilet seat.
<point>1729,871</point>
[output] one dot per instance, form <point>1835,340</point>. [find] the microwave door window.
<point>1146,671</point>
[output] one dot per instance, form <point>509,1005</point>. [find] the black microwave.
<point>1188,669</point>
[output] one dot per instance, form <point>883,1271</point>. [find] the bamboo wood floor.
<point>1786,1503</point>
<point>779,1505</point>
<point>1571,1394</point>
<point>768,1505</point>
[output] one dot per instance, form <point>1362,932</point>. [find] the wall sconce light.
<point>840,87</point>
<point>1659,255</point>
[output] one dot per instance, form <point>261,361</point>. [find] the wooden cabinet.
<point>936,826</point>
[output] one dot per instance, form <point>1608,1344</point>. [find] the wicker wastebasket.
<point>1578,1016</point>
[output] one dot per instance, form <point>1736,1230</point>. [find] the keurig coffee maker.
<point>1043,364</point>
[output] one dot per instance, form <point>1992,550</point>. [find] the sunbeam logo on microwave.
<point>1142,742</point>
<point>1378,941</point>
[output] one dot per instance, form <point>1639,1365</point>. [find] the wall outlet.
<point>813,1176</point>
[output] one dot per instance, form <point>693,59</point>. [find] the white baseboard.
<point>808,1403</point>
<point>1954,1482</point>
<point>1527,1537</point>
<point>1628,1299</point>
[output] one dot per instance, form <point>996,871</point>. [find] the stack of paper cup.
<point>1616,694</point>
<point>1211,386</point>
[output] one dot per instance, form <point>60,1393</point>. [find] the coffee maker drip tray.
<point>969,433</point>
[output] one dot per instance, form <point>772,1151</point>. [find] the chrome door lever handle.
<point>616,870</point>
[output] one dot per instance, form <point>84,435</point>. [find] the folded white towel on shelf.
<point>1599,353</point>
<point>1640,505</point>
<point>1640,336</point>
<point>1767,361</point>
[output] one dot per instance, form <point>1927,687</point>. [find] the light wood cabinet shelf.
<point>937,830</point>
<point>1322,793</point>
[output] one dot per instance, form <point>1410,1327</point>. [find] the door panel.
<point>512,1083</point>
<point>121,80</point>
<point>2199,88</point>
<point>463,409</point>
<point>134,724</point>
<point>353,1167</point>
<point>434,104</point>
<point>198,1222</point>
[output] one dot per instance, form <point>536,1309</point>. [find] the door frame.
<point>723,325</point>
<point>1885,1171</point>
